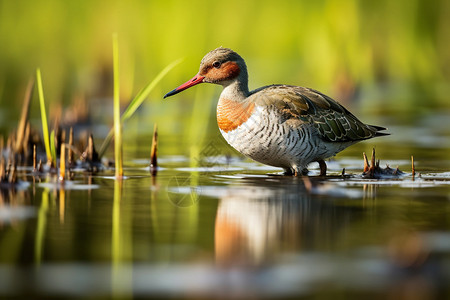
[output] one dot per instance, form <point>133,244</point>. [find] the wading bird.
<point>279,125</point>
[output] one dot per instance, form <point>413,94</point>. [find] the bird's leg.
<point>295,172</point>
<point>289,172</point>
<point>323,167</point>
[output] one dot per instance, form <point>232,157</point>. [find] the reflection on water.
<point>263,218</point>
<point>278,222</point>
<point>229,230</point>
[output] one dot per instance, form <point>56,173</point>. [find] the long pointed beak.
<point>194,81</point>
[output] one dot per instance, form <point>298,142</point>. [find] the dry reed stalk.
<point>10,142</point>
<point>366,163</point>
<point>26,140</point>
<point>63,136</point>
<point>34,159</point>
<point>62,163</point>
<point>373,164</point>
<point>92,154</point>
<point>20,145</point>
<point>2,170</point>
<point>71,156</point>
<point>12,178</point>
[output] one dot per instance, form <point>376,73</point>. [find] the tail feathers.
<point>377,130</point>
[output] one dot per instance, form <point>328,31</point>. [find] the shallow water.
<point>219,226</point>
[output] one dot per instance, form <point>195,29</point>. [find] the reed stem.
<point>43,117</point>
<point>20,145</point>
<point>118,154</point>
<point>62,163</point>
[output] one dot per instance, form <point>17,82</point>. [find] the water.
<point>219,226</point>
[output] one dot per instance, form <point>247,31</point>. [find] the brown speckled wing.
<point>332,120</point>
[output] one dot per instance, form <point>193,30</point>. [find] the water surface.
<point>215,225</point>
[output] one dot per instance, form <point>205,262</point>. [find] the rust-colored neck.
<point>231,113</point>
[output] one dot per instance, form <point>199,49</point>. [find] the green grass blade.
<point>117,123</point>
<point>43,115</point>
<point>137,101</point>
<point>140,97</point>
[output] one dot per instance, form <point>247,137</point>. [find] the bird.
<point>279,125</point>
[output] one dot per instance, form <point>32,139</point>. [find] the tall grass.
<point>143,94</point>
<point>137,101</point>
<point>50,157</point>
<point>118,150</point>
<point>130,110</point>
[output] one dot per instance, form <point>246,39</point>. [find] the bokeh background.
<point>232,230</point>
<point>378,58</point>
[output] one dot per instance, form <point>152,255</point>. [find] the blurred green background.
<point>376,57</point>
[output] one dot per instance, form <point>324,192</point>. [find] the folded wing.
<point>333,121</point>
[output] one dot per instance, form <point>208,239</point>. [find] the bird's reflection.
<point>259,219</point>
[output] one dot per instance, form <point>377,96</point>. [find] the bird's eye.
<point>216,64</point>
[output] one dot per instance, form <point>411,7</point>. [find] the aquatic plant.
<point>373,170</point>
<point>62,163</point>
<point>50,159</point>
<point>137,101</point>
<point>21,147</point>
<point>118,151</point>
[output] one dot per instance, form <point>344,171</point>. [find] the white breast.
<point>268,139</point>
